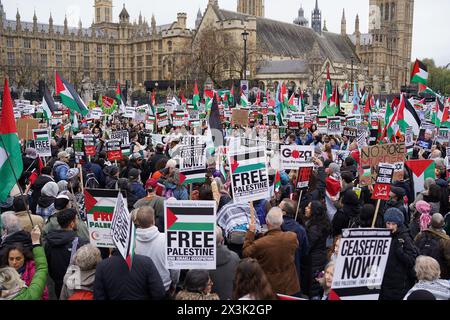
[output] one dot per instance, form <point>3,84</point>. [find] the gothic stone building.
<point>378,60</point>
<point>107,52</point>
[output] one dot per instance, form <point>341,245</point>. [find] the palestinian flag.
<point>189,218</point>
<point>231,98</point>
<point>183,100</point>
<point>302,102</point>
<point>209,96</point>
<point>407,116</point>
<point>244,100</point>
<point>440,115</point>
<point>196,97</point>
<point>335,104</point>
<point>258,98</point>
<point>9,146</point>
<point>422,170</point>
<point>277,182</point>
<point>355,99</point>
<point>324,109</point>
<point>423,89</point>
<point>153,98</point>
<point>69,96</point>
<point>388,129</point>
<point>368,106</point>
<point>48,104</point>
<point>119,99</point>
<point>194,176</point>
<point>328,86</point>
<point>291,103</point>
<point>419,73</point>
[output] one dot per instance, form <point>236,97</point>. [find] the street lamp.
<point>245,35</point>
<point>352,73</point>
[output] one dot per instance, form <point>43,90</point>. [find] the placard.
<point>113,150</point>
<point>294,156</point>
<point>25,128</point>
<point>240,117</point>
<point>304,175</point>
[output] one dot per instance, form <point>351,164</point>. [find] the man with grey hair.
<point>435,243</point>
<point>12,232</point>
<point>275,252</point>
<point>223,275</point>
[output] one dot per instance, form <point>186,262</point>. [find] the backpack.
<point>91,181</point>
<point>82,295</point>
<point>428,245</point>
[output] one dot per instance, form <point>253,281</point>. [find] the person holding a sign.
<point>275,251</point>
<point>398,276</point>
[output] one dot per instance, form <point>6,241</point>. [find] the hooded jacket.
<point>58,249</point>
<point>86,282</point>
<point>223,276</point>
<point>151,243</point>
<point>40,182</point>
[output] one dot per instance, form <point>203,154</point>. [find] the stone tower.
<point>390,29</point>
<point>251,7</point>
<point>316,19</point>
<point>343,24</point>
<point>103,11</point>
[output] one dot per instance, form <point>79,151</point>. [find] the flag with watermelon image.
<point>11,165</point>
<point>422,170</point>
<point>69,96</point>
<point>187,217</point>
<point>108,105</point>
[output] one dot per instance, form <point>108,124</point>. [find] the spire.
<point>66,29</point>
<point>317,5</point>
<point>357,24</point>
<point>50,24</point>
<point>80,28</point>
<point>301,20</point>
<point>34,22</point>
<point>198,21</point>
<point>153,24</point>
<point>18,15</point>
<point>18,24</point>
<point>316,19</point>
<point>34,16</point>
<point>140,17</point>
<point>325,25</point>
<point>343,24</point>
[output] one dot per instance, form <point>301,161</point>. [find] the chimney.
<point>181,18</point>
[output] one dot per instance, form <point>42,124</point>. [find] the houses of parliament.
<point>114,49</point>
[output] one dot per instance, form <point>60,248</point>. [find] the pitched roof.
<point>282,67</point>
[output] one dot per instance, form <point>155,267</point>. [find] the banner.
<point>385,173</point>
<point>409,140</point>
<point>350,121</point>
<point>249,176</point>
<point>294,157</point>
<point>123,230</point>
<point>372,156</point>
<point>130,112</point>
<point>304,174</point>
<point>89,145</point>
<point>163,119</point>
<point>334,126</point>
<point>122,135</point>
<point>42,140</point>
<point>100,206</point>
<point>360,265</point>
<point>192,160</point>
<point>113,150</point>
<point>350,132</point>
<point>190,234</point>
<point>322,125</point>
<point>25,128</point>
<point>96,113</point>
<point>240,117</point>
<point>443,135</point>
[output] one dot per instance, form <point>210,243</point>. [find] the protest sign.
<point>96,113</point>
<point>360,264</point>
<point>443,135</point>
<point>372,156</point>
<point>334,126</point>
<point>89,145</point>
<point>56,118</point>
<point>249,176</point>
<point>381,192</point>
<point>130,112</point>
<point>304,174</point>
<point>100,206</point>
<point>123,230</point>
<point>163,119</point>
<point>78,147</point>
<point>426,136</point>
<point>122,135</point>
<point>190,234</point>
<point>347,107</point>
<point>25,128</point>
<point>339,156</point>
<point>409,140</point>
<point>322,125</point>
<point>350,132</point>
<point>294,156</point>
<point>91,104</point>
<point>41,139</point>
<point>350,121</point>
<point>192,160</point>
<point>113,150</point>
<point>240,117</point>
<point>385,173</point>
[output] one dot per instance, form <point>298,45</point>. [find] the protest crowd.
<point>212,199</point>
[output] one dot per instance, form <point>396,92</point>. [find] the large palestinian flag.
<point>422,170</point>
<point>69,96</point>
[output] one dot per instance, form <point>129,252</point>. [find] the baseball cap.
<point>63,155</point>
<point>151,183</point>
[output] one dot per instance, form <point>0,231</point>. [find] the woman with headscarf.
<point>45,207</point>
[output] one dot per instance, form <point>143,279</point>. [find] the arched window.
<point>169,46</point>
<point>386,12</point>
<point>393,12</point>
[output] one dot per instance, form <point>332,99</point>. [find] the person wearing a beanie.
<point>45,207</point>
<point>396,200</point>
<point>36,188</point>
<point>398,276</point>
<point>112,177</point>
<point>61,167</point>
<point>434,242</point>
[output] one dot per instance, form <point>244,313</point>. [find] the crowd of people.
<point>44,229</point>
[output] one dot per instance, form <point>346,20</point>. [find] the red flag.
<point>258,98</point>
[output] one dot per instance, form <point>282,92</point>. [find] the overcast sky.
<point>430,38</point>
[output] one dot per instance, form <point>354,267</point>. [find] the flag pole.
<point>17,182</point>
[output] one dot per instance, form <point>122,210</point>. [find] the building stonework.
<point>251,7</point>
<point>106,52</point>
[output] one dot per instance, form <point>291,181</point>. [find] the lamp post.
<point>352,73</point>
<point>245,35</point>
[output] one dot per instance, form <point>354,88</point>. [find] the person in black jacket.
<point>318,228</point>
<point>348,215</point>
<point>159,154</point>
<point>397,201</point>
<point>61,245</point>
<point>115,281</point>
<point>398,275</point>
<point>37,186</point>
